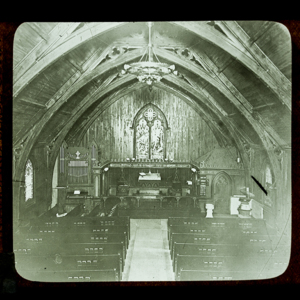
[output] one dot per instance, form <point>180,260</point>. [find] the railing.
<point>135,201</point>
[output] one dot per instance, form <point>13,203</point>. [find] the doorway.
<point>222,187</point>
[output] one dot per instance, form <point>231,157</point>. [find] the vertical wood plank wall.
<point>189,136</point>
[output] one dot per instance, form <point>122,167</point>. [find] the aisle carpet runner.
<point>148,257</point>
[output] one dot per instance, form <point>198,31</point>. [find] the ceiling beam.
<point>76,83</point>
<point>75,39</point>
<point>205,112</point>
<point>280,85</point>
<point>231,93</point>
<point>80,130</point>
<point>273,75</point>
<point>225,135</point>
<point>32,103</point>
<point>30,140</point>
<point>227,89</point>
<point>222,78</point>
<point>59,32</point>
<point>76,135</point>
<point>235,98</point>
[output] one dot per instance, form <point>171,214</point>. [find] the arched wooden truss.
<point>94,81</point>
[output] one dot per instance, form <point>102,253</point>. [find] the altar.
<point>149,180</point>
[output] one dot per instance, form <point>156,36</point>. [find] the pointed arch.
<point>144,108</point>
<point>150,127</point>
<point>28,180</point>
<point>221,191</point>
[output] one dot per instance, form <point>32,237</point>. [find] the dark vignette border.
<point>11,282</point>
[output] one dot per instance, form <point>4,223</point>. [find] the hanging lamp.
<point>149,72</point>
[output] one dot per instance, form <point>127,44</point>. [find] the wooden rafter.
<point>280,85</point>
<point>69,90</point>
<point>203,109</point>
<point>222,83</point>
<point>85,124</point>
<point>272,74</point>
<point>74,40</point>
<point>79,131</point>
<point>58,33</point>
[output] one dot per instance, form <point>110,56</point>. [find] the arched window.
<point>150,133</point>
<point>267,182</point>
<point>28,181</point>
<point>268,175</point>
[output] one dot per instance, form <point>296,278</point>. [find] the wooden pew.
<point>241,239</point>
<point>206,224</point>
<point>76,211</point>
<point>72,246</point>
<point>78,238</point>
<point>67,263</point>
<point>108,275</point>
<point>207,228</point>
<point>95,211</point>
<point>200,275</point>
<point>70,228</point>
<point>263,265</point>
<point>230,221</point>
<point>220,263</point>
<point>225,249</point>
<point>228,249</point>
<point>205,250</point>
<point>82,221</point>
<point>34,249</point>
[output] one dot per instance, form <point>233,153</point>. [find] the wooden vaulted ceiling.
<point>236,74</point>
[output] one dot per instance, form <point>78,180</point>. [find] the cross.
<point>150,114</point>
<point>77,154</point>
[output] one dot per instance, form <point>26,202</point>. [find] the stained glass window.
<point>142,139</point>
<point>150,134</point>
<point>157,140</point>
<point>28,181</point>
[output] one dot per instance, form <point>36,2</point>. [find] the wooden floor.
<point>148,257</point>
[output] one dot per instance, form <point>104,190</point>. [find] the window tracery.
<point>150,126</point>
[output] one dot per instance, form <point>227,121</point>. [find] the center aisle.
<point>148,257</point>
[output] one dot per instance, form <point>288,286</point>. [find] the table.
<point>149,180</point>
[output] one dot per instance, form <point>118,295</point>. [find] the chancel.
<point>151,151</point>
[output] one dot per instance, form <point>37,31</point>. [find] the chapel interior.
<point>151,151</point>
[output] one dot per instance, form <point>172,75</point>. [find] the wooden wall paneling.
<point>112,129</point>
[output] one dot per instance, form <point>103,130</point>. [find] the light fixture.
<point>106,169</point>
<point>149,71</point>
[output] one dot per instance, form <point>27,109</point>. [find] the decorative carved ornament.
<point>77,155</point>
<point>222,181</point>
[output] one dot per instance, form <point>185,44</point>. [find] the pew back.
<point>109,275</point>
<point>226,249</point>
<point>70,248</point>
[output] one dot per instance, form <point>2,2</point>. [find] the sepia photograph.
<point>152,151</point>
